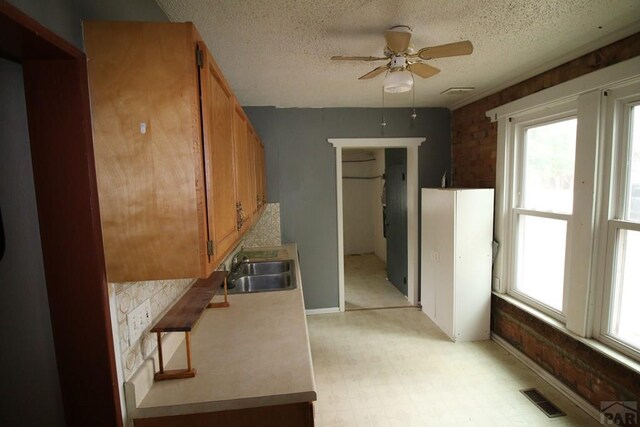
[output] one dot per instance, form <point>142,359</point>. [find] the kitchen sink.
<point>262,276</point>
<point>263,267</point>
<point>267,282</point>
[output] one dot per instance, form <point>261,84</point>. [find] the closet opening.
<point>375,233</point>
<point>377,245</point>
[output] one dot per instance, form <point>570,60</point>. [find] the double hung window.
<point>542,208</point>
<point>568,205</point>
<point>621,311</point>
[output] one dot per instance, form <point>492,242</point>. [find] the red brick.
<point>470,122</point>
<point>591,374</point>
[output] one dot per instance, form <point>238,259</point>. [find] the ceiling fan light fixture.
<point>398,82</point>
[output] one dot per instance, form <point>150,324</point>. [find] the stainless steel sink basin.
<point>262,276</point>
<point>264,267</point>
<point>267,282</point>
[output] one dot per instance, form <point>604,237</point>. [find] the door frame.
<point>411,144</point>
<point>60,137</point>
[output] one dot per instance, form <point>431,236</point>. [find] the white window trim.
<point>517,125</point>
<point>618,97</point>
<point>586,266</point>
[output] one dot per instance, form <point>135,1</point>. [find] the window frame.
<point>518,127</point>
<point>589,229</point>
<point>619,99</point>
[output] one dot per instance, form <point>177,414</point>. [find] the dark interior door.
<point>396,224</point>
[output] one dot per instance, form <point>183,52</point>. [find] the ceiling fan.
<point>404,61</point>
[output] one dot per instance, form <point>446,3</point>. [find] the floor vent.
<point>542,403</point>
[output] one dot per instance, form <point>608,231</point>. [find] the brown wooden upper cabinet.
<point>220,167</point>
<point>257,173</point>
<point>242,188</point>
<point>261,177</point>
<point>167,149</point>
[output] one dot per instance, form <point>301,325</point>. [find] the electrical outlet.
<point>138,320</point>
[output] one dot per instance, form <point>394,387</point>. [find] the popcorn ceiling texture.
<point>162,294</point>
<point>276,52</point>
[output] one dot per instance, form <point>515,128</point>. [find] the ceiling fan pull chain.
<point>384,122</point>
<point>413,92</point>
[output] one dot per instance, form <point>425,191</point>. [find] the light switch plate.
<point>138,320</point>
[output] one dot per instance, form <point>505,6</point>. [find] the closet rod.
<point>358,161</point>
<point>362,177</point>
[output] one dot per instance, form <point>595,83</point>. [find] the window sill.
<point>589,342</point>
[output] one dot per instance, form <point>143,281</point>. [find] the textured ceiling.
<point>276,52</point>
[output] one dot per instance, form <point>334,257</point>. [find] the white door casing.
<point>413,264</point>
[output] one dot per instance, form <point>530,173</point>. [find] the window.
<point>568,205</point>
<point>542,208</point>
<point>622,317</point>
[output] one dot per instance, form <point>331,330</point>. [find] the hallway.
<point>366,285</point>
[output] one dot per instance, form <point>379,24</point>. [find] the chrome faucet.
<point>237,259</point>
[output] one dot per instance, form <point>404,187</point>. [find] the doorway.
<point>375,228</point>
<point>411,145</point>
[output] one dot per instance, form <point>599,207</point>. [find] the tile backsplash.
<point>266,231</point>
<point>162,294</point>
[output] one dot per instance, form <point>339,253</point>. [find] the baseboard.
<point>312,311</point>
<point>553,381</point>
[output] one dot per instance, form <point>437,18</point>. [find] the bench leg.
<point>174,374</point>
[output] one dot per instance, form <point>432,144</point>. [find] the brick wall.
<point>474,137</point>
<point>591,374</point>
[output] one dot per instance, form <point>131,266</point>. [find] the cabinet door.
<point>253,171</point>
<point>428,265</point>
<point>444,217</point>
<point>219,159</point>
<point>263,176</point>
<point>437,257</point>
<point>147,145</point>
<point>242,167</point>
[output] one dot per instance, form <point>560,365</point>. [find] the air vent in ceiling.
<point>457,90</point>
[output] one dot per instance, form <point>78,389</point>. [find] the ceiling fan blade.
<point>358,58</point>
<point>397,41</point>
<point>444,50</point>
<point>375,72</point>
<point>422,70</point>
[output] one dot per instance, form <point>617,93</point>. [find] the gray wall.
<point>301,175</point>
<point>29,389</point>
<point>63,17</point>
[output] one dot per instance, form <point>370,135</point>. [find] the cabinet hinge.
<point>404,279</point>
<point>210,247</point>
<point>199,58</point>
<point>403,178</point>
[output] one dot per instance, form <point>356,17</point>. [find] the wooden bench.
<point>183,316</point>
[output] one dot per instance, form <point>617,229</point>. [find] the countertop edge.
<point>225,405</point>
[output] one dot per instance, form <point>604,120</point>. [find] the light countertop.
<point>254,353</point>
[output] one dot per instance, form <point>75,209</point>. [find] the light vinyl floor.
<point>366,286</point>
<point>394,367</point>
